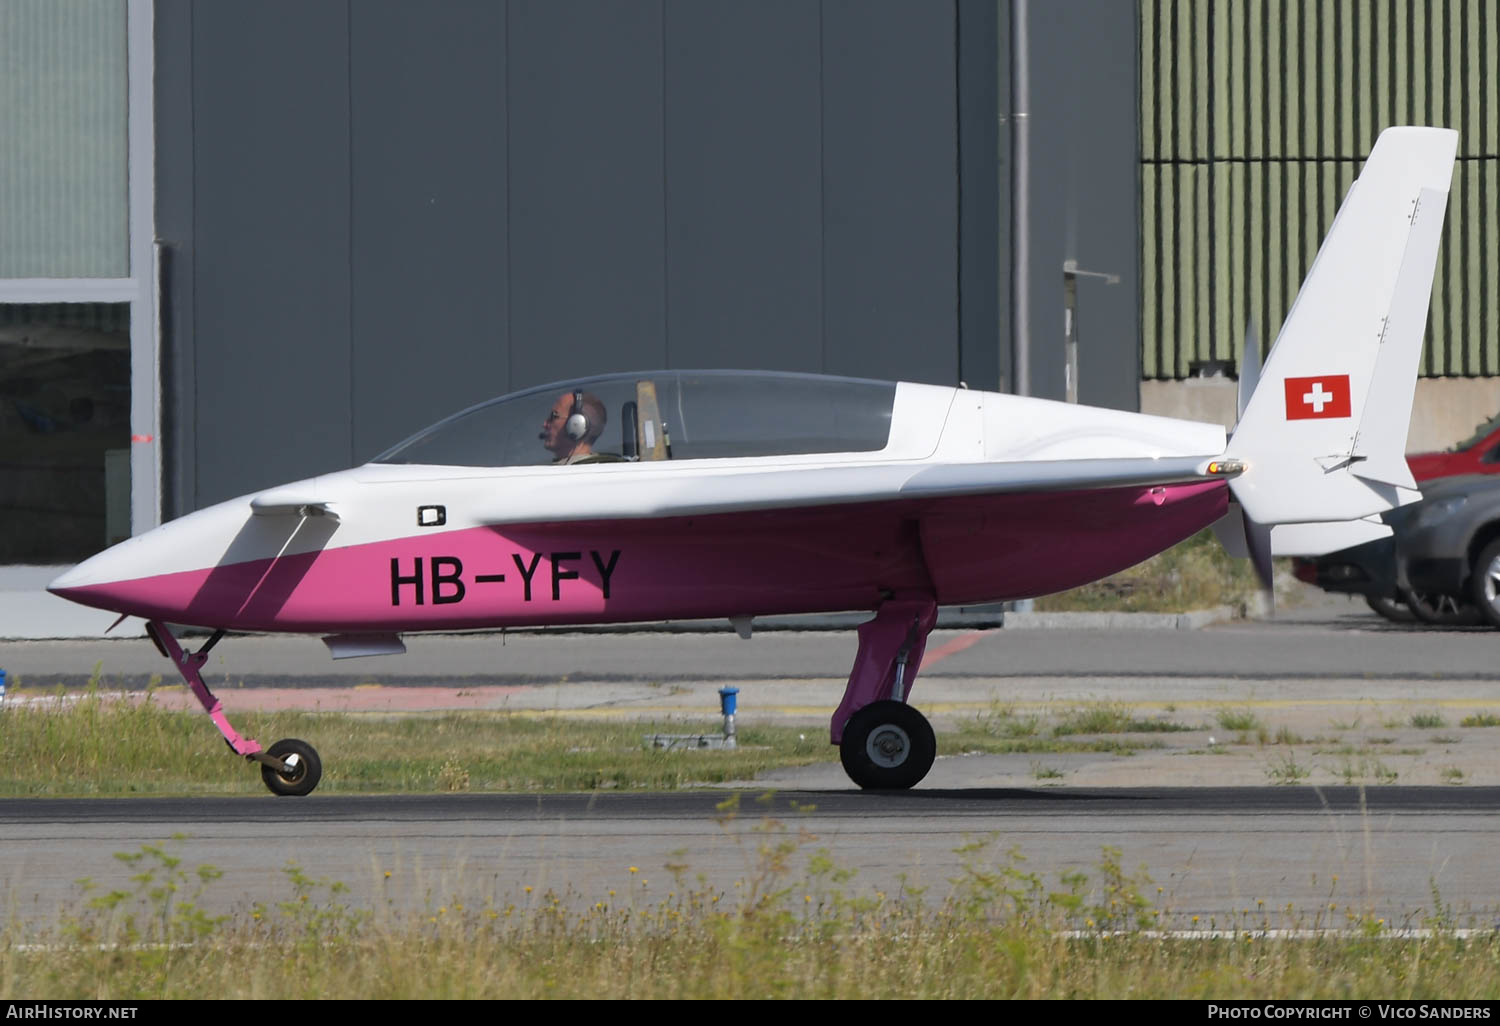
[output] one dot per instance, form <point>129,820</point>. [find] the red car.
<point>1479,454</point>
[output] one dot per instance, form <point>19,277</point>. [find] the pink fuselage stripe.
<point>961,550</point>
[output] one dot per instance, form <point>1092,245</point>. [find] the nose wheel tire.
<point>303,768</point>
<point>887,746</point>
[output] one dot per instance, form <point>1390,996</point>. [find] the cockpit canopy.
<point>676,415</point>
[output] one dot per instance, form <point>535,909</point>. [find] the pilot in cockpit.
<point>572,427</point>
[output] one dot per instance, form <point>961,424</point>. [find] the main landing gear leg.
<point>883,742</point>
<point>289,767</point>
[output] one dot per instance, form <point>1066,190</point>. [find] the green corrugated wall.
<point>1255,117</point>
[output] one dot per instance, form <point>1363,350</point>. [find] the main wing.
<point>730,491</point>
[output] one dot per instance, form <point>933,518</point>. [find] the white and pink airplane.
<point>679,494</point>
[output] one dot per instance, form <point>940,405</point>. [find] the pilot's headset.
<point>576,426</point>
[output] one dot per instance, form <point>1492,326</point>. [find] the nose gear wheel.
<point>303,768</point>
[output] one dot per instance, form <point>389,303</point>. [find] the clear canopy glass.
<point>665,415</point>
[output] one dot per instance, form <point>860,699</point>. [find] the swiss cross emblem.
<point>1324,396</point>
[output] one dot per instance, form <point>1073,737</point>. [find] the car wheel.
<point>1440,610</point>
<point>1485,583</point>
<point>1390,608</point>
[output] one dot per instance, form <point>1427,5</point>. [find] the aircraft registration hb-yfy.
<point>678,494</point>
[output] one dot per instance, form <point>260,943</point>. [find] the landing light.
<point>1226,467</point>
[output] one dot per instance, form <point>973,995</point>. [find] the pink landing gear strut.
<point>288,767</point>
<point>884,743</point>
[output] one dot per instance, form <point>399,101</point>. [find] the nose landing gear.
<point>288,767</point>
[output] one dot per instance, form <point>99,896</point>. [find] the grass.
<point>1002,730</point>
<point>1091,728</point>
<point>1194,574</point>
<point>1003,930</point>
<point>1287,770</point>
<point>97,745</point>
<point>969,739</point>
<point>1240,720</point>
<point>93,744</point>
<point>1111,718</point>
<point>1352,772</point>
<point>1348,749</point>
<point>1480,720</point>
<point>1003,721</point>
<point>1428,720</point>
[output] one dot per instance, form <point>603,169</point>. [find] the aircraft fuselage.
<point>289,572</point>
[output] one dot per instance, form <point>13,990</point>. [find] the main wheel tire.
<point>1390,608</point>
<point>304,768</point>
<point>1440,610</point>
<point>887,746</point>
<point>1485,583</point>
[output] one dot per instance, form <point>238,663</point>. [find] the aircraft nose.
<point>96,580</point>
<point>85,585</point>
<point>72,578</point>
<point>93,571</point>
<point>202,568</point>
<point>126,577</point>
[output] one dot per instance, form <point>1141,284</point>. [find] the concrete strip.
<point>1107,621</point>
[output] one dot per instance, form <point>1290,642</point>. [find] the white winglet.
<point>1324,435</point>
<point>1380,441</point>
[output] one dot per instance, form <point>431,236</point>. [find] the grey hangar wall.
<point>373,212</point>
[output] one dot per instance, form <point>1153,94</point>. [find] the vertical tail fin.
<point>1324,435</point>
